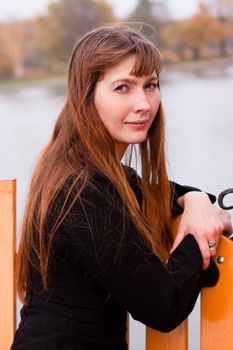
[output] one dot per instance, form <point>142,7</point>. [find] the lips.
<point>138,122</point>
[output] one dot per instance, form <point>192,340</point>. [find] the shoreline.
<point>56,81</point>
<point>203,64</point>
<point>59,81</point>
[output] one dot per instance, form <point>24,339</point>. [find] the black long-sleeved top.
<point>99,269</point>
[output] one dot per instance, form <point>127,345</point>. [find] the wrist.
<point>190,197</point>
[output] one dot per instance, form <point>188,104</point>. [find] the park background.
<point>196,42</point>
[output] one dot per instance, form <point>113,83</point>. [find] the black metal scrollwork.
<point>221,197</point>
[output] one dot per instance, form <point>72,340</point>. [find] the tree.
<point>200,31</point>
<point>66,21</point>
<point>174,43</point>
<point>16,40</point>
<point>222,10</point>
<point>154,13</point>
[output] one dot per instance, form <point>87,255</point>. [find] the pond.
<point>198,107</point>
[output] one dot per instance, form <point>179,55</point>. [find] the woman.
<point>96,239</point>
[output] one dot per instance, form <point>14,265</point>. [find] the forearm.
<point>178,191</point>
<point>189,198</point>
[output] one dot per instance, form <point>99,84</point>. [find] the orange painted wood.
<point>175,340</point>
<point>217,304</point>
<point>7,255</point>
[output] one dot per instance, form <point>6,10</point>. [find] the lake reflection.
<point>198,109</point>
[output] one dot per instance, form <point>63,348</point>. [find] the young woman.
<point>96,239</point>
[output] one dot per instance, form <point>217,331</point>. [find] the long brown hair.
<point>81,142</point>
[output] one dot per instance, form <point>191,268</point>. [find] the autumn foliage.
<point>42,45</point>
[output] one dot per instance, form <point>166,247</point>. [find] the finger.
<point>213,251</point>
<point>212,243</point>
<point>205,252</point>
<point>179,237</point>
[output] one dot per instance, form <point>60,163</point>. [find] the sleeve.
<point>115,256</point>
<point>211,275</point>
<point>178,191</point>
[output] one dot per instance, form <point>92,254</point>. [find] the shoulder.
<point>94,180</point>
<point>97,188</point>
<point>131,173</point>
<point>99,182</point>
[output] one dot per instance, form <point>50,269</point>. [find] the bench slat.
<point>7,256</point>
<point>175,340</point>
<point>217,304</point>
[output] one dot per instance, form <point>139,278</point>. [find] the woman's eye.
<point>152,86</point>
<point>121,88</point>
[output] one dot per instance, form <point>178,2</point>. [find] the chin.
<point>138,140</point>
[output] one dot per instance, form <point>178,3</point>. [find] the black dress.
<point>99,269</point>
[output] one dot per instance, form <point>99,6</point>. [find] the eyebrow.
<point>132,81</point>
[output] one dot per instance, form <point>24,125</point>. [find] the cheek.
<point>103,105</point>
<point>109,109</point>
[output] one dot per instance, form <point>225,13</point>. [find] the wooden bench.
<point>216,303</point>
<point>216,314</point>
<point>7,256</point>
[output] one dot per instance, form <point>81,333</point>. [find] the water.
<point>200,126</point>
<point>198,108</point>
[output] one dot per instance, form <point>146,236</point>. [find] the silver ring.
<point>212,245</point>
<point>212,248</point>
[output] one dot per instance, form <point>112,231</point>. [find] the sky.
<point>17,9</point>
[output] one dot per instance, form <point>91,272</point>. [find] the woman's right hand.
<point>204,221</point>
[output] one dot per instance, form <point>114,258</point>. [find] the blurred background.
<point>196,42</point>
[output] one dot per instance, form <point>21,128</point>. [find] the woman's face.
<point>127,104</point>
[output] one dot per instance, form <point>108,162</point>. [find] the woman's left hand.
<point>204,221</point>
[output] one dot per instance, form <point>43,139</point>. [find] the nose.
<point>141,102</point>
